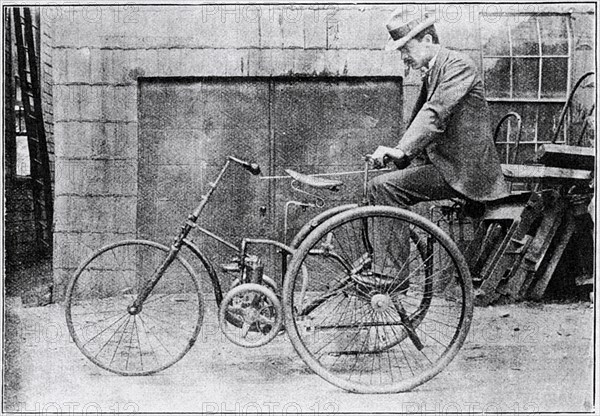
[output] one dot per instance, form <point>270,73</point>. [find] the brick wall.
<point>20,235</point>
<point>100,52</point>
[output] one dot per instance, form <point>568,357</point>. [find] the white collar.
<point>427,69</point>
<point>432,62</point>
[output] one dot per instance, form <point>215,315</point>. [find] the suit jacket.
<point>450,124</point>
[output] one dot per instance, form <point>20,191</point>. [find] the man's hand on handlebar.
<point>383,155</point>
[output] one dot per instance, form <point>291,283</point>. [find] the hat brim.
<point>398,43</point>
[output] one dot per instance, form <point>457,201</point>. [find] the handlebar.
<point>400,162</point>
<point>369,159</point>
<point>253,168</point>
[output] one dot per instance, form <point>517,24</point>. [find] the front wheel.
<point>126,340</point>
<point>385,301</point>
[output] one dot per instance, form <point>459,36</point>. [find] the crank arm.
<point>412,334</point>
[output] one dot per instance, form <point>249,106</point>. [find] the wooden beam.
<point>538,173</point>
<point>563,156</point>
<point>563,236</point>
<point>551,219</point>
<point>506,212</point>
<point>511,249</point>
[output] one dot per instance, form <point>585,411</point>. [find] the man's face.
<point>415,53</point>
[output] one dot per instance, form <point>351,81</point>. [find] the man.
<point>449,131</point>
<point>447,150</point>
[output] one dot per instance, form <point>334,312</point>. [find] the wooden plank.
<point>537,173</point>
<point>510,250</point>
<point>487,237</point>
<point>532,258</point>
<point>542,259</point>
<point>564,235</point>
<point>509,211</point>
<point>563,156</point>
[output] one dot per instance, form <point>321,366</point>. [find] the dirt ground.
<point>524,358</point>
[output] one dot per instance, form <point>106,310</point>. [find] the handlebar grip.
<point>401,163</point>
<point>253,168</point>
<point>369,159</point>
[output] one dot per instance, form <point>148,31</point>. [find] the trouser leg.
<point>391,239</point>
<point>407,187</point>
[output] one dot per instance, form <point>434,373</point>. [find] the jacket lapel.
<point>422,99</point>
<point>436,70</point>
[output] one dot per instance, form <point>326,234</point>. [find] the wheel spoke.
<point>393,322</point>
<point>258,318</point>
<point>129,341</point>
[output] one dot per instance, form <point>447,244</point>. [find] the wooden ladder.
<point>29,82</point>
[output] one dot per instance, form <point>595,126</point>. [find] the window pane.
<point>507,134</point>
<point>543,115</point>
<point>497,77</point>
<point>526,154</point>
<point>525,77</point>
<point>554,77</point>
<point>549,117</point>
<point>20,120</point>
<point>23,167</point>
<point>525,37</point>
<point>554,35</point>
<point>528,113</point>
<point>529,116</point>
<point>494,37</point>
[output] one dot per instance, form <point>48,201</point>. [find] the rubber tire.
<point>98,253</point>
<point>410,217</point>
<point>224,319</point>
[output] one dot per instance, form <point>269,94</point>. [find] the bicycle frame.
<point>190,224</point>
<point>341,289</point>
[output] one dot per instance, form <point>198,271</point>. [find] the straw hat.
<point>402,30</point>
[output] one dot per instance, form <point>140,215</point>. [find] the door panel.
<point>188,127</point>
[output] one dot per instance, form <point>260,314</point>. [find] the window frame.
<point>539,102</point>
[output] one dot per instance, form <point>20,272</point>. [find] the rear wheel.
<point>367,322</point>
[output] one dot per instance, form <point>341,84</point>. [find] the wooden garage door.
<point>188,127</point>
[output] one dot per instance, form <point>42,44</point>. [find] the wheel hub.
<point>380,302</point>
<point>251,315</point>
<point>134,310</point>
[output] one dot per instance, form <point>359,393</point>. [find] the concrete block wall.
<point>100,52</point>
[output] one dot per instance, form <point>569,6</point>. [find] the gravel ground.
<point>521,358</point>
